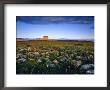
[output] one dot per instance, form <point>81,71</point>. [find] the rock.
<point>87,69</point>
<point>87,66</point>
<point>90,72</point>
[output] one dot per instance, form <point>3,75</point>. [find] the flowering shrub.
<point>57,58</point>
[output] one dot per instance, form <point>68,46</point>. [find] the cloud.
<point>53,18</point>
<point>56,19</point>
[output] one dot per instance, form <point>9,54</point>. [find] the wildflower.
<point>55,61</point>
<point>52,65</point>
<point>39,60</point>
<point>78,57</point>
<point>36,53</point>
<point>22,59</point>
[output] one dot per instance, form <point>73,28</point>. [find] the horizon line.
<point>58,38</point>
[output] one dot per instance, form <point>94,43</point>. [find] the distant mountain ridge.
<point>26,39</point>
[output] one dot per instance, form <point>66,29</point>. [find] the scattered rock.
<point>87,68</point>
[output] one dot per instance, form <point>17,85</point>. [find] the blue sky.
<point>55,27</point>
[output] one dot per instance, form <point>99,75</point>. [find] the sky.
<point>55,27</point>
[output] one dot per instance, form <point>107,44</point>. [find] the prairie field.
<point>54,57</point>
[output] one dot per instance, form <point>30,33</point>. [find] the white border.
<point>99,79</point>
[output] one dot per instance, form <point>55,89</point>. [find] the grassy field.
<point>54,57</point>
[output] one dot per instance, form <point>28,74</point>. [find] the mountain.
<point>27,39</point>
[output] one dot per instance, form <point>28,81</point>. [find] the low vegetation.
<point>54,57</point>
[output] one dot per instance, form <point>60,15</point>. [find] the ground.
<point>54,57</point>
